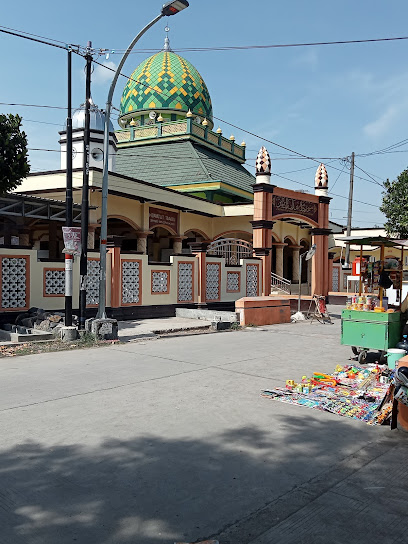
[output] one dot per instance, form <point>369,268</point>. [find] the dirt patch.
<point>30,348</point>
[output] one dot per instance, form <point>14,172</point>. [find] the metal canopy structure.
<point>374,241</point>
<point>32,207</point>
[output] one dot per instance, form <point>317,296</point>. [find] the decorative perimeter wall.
<point>131,281</point>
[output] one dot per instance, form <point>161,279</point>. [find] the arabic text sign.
<point>287,205</point>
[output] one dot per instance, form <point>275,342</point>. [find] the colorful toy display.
<point>351,391</point>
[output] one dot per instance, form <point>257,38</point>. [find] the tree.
<point>395,206</point>
<point>14,165</point>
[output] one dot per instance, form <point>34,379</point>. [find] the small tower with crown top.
<point>321,181</point>
<point>263,166</point>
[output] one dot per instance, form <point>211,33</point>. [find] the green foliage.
<point>395,206</point>
<point>14,166</point>
<point>87,339</point>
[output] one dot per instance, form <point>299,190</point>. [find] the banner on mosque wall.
<point>162,218</point>
<point>286,205</point>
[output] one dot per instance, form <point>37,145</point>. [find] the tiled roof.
<point>181,163</point>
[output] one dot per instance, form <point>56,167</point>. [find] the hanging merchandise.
<point>385,281</point>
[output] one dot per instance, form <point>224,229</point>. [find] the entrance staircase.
<point>280,285</point>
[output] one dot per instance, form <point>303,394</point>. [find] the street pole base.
<point>105,329</point>
<point>69,334</point>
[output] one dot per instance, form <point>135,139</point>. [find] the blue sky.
<point>320,101</point>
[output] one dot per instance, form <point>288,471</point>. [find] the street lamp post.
<point>170,8</point>
<point>308,255</point>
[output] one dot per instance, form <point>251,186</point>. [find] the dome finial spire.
<point>167,39</point>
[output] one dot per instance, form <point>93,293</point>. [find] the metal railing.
<point>280,284</point>
<point>232,249</point>
<point>154,129</point>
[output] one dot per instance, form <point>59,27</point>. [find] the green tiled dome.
<point>166,81</point>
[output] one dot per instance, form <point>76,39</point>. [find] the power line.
<point>32,106</point>
<point>354,220</point>
<point>30,34</point>
<point>271,46</point>
<point>223,121</point>
<point>345,211</point>
<point>66,47</point>
<point>42,122</point>
<point>338,177</point>
<point>372,179</point>
<point>385,149</point>
<point>334,194</point>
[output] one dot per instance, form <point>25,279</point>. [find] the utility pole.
<point>69,259</point>
<point>83,266</point>
<point>350,209</point>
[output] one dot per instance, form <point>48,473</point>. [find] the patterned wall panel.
<point>336,279</point>
<point>185,283</point>
<point>160,282</point>
<point>252,280</point>
<point>213,281</point>
<point>233,282</point>
<point>54,282</point>
<point>92,286</point>
<point>345,276</point>
<point>131,282</point>
<point>15,281</point>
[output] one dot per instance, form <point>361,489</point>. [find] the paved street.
<point>169,440</point>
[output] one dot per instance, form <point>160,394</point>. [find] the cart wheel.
<point>362,357</point>
<point>383,359</point>
<point>355,350</point>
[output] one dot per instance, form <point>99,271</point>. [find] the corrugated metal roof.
<point>40,199</point>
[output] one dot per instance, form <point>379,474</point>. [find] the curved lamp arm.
<point>170,8</point>
<point>105,179</point>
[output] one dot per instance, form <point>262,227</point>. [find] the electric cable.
<point>42,122</point>
<point>65,47</point>
<point>338,177</point>
<point>32,106</point>
<point>30,34</point>
<point>372,179</point>
<point>271,46</point>
<point>334,194</point>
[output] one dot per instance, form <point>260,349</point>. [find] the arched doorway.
<point>160,245</point>
<point>288,259</point>
<point>239,235</point>
<point>119,233</point>
<point>190,237</point>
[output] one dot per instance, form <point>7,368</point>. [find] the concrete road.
<point>169,440</point>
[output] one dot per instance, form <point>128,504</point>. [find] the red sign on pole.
<point>72,240</point>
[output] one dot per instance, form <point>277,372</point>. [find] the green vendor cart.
<point>365,330</point>
<point>370,330</point>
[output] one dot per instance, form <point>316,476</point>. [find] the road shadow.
<point>151,490</point>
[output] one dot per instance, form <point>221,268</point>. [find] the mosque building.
<point>180,199</point>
